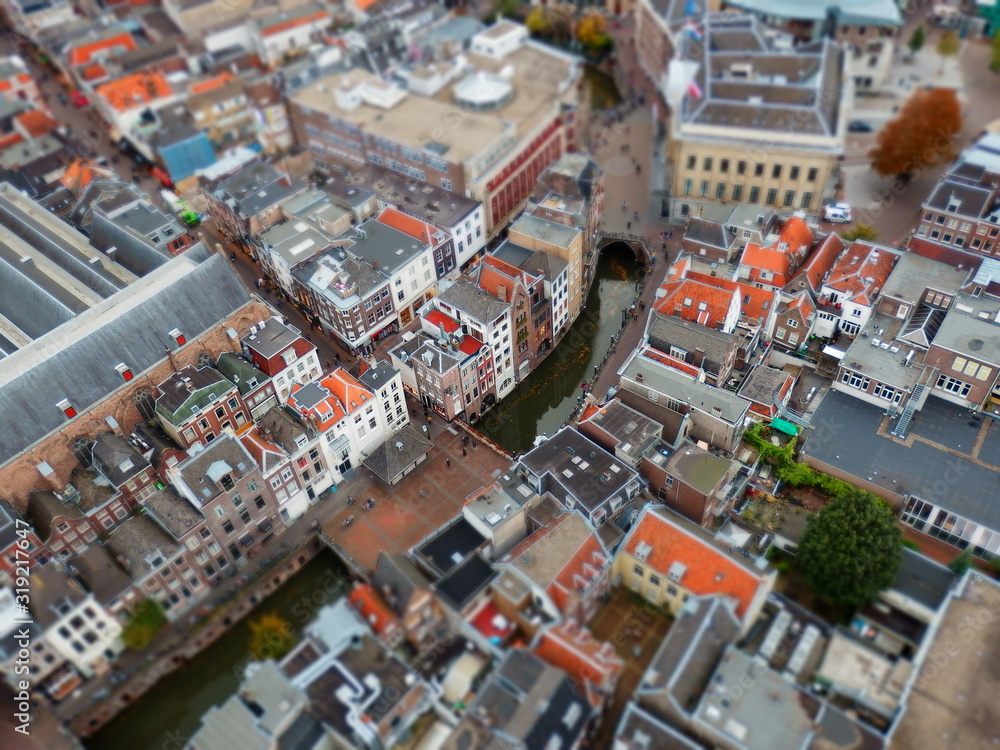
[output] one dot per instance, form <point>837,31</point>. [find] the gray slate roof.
<point>116,459</point>
<point>189,390</point>
<point>667,331</point>
<point>32,384</point>
<point>52,588</point>
<point>388,461</point>
<point>100,574</point>
<point>173,512</point>
<point>707,232</point>
<point>224,455</point>
<point>237,370</point>
<point>397,580</point>
<point>477,303</point>
<point>283,428</point>
<point>43,508</point>
<point>135,544</point>
<point>923,580</point>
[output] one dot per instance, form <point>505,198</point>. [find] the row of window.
<point>881,390</point>
<point>758,169</point>
<point>736,194</point>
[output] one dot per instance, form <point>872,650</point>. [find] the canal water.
<point>170,712</point>
<point>546,399</point>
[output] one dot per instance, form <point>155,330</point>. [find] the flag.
<point>694,89</point>
<point>692,31</point>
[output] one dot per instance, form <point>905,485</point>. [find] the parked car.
<point>859,126</point>
<point>78,99</point>
<point>837,213</point>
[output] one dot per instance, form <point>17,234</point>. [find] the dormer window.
<point>67,408</point>
<point>125,371</point>
<point>178,337</point>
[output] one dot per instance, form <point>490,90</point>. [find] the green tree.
<point>592,31</point>
<point>537,22</point>
<point>851,550</point>
<point>270,637</point>
<point>995,54</point>
<point>864,232</point>
<point>948,46</point>
<point>961,563</point>
<point>921,136</point>
<point>144,622</point>
<point>916,42</point>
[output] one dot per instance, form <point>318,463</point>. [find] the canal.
<point>546,399</point>
<point>170,712</point>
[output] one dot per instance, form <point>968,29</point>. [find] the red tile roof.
<point>35,123</point>
<point>665,359</point>
<point>95,72</point>
<point>86,53</point>
<point>819,262</point>
<point>258,446</point>
<point>589,411</point>
<point>797,235</point>
<point>861,272</point>
<point>589,662</point>
<point>347,389</point>
<point>683,299</point>
<point>578,573</point>
<point>755,303</point>
<point>135,90</point>
<point>419,230</point>
<point>494,273</point>
<point>293,23</point>
<point>708,571</point>
<point>209,84</point>
<point>766,259</point>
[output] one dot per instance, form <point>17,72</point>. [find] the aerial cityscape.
<point>420,375</point>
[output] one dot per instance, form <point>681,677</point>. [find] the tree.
<point>995,54</point>
<point>916,42</point>
<point>851,550</point>
<point>961,563</point>
<point>537,21</point>
<point>591,31</point>
<point>270,637</point>
<point>865,232</point>
<point>948,46</point>
<point>922,135</point>
<point>146,620</point>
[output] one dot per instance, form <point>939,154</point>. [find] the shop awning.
<point>246,540</point>
<point>782,425</point>
<point>264,526</point>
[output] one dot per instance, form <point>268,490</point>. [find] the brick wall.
<point>20,476</point>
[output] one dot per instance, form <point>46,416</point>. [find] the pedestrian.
<point>447,462</point>
<point>464,453</point>
<point>642,305</point>
<point>328,365</point>
<point>232,257</point>
<point>628,225</point>
<point>474,443</point>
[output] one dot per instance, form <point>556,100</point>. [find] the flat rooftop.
<point>450,547</point>
<point>538,78</point>
<point>952,701</point>
<point>844,434</point>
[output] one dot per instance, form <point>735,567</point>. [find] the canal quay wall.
<point>181,645</point>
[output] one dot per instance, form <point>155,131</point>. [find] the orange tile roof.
<point>292,23</point>
<point>580,570</point>
<point>212,83</point>
<point>574,650</point>
<point>820,261</point>
<point>704,564</point>
<point>81,173</point>
<point>589,411</point>
<point>803,302</point>
<point>135,90</point>
<point>767,259</point>
<point>347,389</point>
<point>665,359</point>
<point>94,72</point>
<point>85,53</point>
<point>717,302</point>
<point>415,228</point>
<point>861,272</point>
<point>364,4</point>
<point>35,123</point>
<point>326,413</point>
<point>494,272</point>
<point>796,234</point>
<point>10,140</point>
<point>755,303</point>
<point>373,609</point>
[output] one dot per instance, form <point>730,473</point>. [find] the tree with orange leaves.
<point>921,136</point>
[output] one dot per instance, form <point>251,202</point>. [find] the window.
<point>758,170</point>
<point>754,194</point>
<point>125,371</point>
<point>812,174</point>
<point>780,333</point>
<point>793,323</point>
<point>638,570</point>
<point>793,339</point>
<point>772,196</point>
<point>688,186</point>
<point>445,184</point>
<point>953,385</point>
<point>655,580</point>
<point>706,165</point>
<point>737,192</point>
<point>776,172</point>
<point>672,590</point>
<point>723,165</point>
<point>881,390</point>
<point>228,527</point>
<point>692,162</point>
<point>703,192</point>
<point>855,380</point>
<point>807,199</point>
<point>741,167</point>
<point>720,190</point>
<point>789,198</point>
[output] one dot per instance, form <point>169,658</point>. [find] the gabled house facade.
<point>282,354</point>
<point>196,405</point>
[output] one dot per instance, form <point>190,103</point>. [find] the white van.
<point>171,201</point>
<point>837,213</point>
